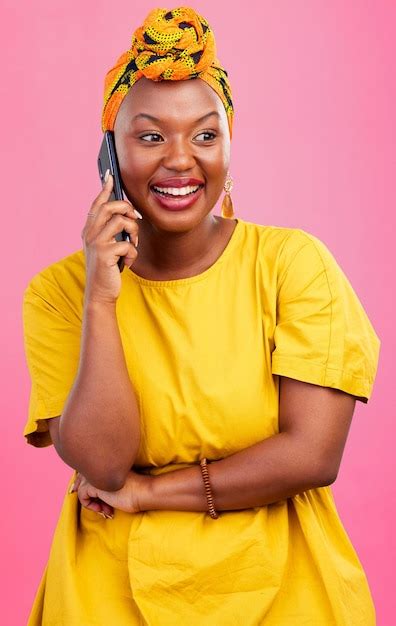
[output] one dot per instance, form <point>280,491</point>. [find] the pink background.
<point>313,147</point>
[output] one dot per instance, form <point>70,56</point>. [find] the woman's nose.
<point>179,155</point>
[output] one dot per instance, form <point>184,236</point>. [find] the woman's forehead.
<point>192,98</point>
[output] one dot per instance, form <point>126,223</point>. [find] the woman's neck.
<point>173,255</point>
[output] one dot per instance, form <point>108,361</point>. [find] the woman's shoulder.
<point>280,242</point>
<point>70,268</point>
<point>59,285</point>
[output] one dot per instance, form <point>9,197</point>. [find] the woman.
<point>222,339</point>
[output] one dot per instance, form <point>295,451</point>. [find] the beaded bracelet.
<point>208,490</point>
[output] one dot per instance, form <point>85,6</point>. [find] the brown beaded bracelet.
<point>208,490</point>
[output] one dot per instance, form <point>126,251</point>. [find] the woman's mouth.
<point>176,198</point>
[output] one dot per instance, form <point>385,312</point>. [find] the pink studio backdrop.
<point>313,147</point>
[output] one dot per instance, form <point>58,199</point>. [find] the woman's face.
<point>177,144</point>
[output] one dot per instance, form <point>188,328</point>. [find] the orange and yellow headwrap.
<point>175,44</point>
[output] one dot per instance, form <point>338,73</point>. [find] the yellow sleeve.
<point>52,335</point>
<point>322,335</point>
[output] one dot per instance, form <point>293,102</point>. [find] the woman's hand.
<point>101,250</point>
<point>129,498</point>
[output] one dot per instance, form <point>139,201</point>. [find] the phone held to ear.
<point>107,159</point>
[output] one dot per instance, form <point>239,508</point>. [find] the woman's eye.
<point>207,132</point>
<point>150,135</point>
<point>156,137</point>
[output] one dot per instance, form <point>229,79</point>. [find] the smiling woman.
<point>225,341</point>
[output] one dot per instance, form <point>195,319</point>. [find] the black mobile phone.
<point>107,160</point>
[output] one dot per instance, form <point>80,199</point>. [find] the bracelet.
<point>208,490</point>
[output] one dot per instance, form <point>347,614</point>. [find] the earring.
<point>227,209</point>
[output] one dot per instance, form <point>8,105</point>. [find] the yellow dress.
<point>204,355</point>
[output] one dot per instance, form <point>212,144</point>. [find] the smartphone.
<point>107,160</point>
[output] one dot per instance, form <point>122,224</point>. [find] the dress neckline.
<point>232,242</point>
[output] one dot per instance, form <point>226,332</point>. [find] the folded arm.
<point>314,422</point>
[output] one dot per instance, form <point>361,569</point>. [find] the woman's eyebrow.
<point>156,119</point>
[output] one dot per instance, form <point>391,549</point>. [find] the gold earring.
<point>227,209</point>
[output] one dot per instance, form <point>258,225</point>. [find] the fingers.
<point>103,246</point>
<point>107,510</point>
<point>97,505</point>
<point>103,197</point>
<point>126,249</point>
<point>115,225</point>
<point>76,483</point>
<point>105,212</point>
<point>87,496</point>
<point>105,193</point>
<point>102,212</point>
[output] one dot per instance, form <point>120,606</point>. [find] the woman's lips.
<point>176,203</point>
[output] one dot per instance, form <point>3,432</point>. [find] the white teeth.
<point>177,191</point>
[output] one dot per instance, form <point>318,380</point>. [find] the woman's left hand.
<point>129,498</point>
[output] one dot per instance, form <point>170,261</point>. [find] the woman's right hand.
<point>102,251</point>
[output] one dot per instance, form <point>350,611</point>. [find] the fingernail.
<point>106,176</point>
<point>108,516</point>
<point>138,214</point>
<point>71,488</point>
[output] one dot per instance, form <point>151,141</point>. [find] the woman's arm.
<point>99,429</point>
<point>313,421</point>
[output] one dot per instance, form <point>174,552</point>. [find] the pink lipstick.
<point>178,193</point>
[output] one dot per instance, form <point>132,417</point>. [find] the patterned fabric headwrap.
<point>175,44</point>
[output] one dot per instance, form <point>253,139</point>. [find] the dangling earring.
<point>227,209</point>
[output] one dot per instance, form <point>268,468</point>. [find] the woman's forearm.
<point>99,428</point>
<point>274,469</point>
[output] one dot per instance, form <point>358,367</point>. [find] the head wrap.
<point>175,44</point>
